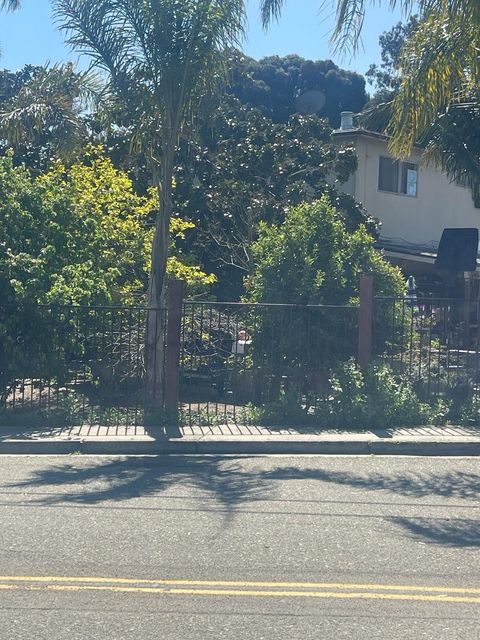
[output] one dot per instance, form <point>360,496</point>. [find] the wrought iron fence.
<point>73,365</point>
<point>235,356</point>
<point>86,365</point>
<point>432,341</point>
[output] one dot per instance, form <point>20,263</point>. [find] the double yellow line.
<point>223,588</point>
<point>246,589</point>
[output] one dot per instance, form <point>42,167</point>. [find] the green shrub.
<point>469,413</point>
<point>314,259</point>
<point>376,398</point>
<point>286,410</point>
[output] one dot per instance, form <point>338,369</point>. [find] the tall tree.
<point>247,169</point>
<point>41,112</point>
<point>386,76</point>
<point>162,59</point>
<point>440,62</point>
<point>274,85</point>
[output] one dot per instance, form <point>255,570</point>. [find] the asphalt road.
<point>260,548</point>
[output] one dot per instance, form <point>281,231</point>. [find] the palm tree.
<point>161,60</point>
<point>440,69</point>
<point>47,110</point>
<point>350,14</point>
<point>452,141</point>
<point>440,66</point>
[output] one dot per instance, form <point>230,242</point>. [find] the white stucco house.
<point>413,200</point>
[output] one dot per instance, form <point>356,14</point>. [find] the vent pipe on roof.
<point>346,122</point>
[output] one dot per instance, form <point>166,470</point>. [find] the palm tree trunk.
<point>156,321</point>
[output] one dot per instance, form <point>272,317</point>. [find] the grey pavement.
<point>240,439</point>
<point>231,430</point>
<point>388,546</point>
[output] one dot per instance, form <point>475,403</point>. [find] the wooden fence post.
<point>365,322</point>
<point>174,331</point>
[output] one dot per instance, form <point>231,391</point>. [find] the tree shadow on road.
<point>82,482</point>
<point>225,484</point>
<point>449,532</point>
<point>457,484</point>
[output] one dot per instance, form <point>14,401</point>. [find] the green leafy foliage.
<point>312,258</point>
<point>356,399</point>
<point>79,235</point>
<point>273,84</point>
<point>386,76</point>
<point>42,112</point>
<point>373,399</point>
<point>74,235</point>
<point>250,170</point>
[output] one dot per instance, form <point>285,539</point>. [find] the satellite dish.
<point>310,102</point>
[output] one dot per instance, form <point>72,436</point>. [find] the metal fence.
<point>86,365</point>
<point>435,342</point>
<point>235,356</point>
<point>73,365</point>
<point>69,365</point>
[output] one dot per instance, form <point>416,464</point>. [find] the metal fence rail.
<point>433,341</point>
<point>236,355</point>
<point>74,365</point>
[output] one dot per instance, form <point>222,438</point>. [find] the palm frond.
<point>377,118</point>
<point>440,65</point>
<point>350,16</point>
<point>270,10</point>
<point>162,57</point>
<point>453,143</point>
<point>10,5</point>
<point>49,106</point>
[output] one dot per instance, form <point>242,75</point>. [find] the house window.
<point>397,177</point>
<point>388,175</point>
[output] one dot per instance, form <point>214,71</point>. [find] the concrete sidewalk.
<point>238,440</point>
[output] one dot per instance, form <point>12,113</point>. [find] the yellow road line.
<point>238,584</point>
<point>250,593</point>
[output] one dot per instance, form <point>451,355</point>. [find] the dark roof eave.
<point>366,133</point>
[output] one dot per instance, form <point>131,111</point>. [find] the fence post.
<point>174,331</point>
<point>365,321</point>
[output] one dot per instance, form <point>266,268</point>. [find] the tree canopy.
<point>42,112</point>
<point>247,169</point>
<point>386,76</point>
<point>312,258</point>
<point>439,62</point>
<point>274,84</point>
<point>79,235</point>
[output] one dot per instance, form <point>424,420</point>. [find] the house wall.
<point>420,220</point>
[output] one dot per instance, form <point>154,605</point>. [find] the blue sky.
<point>28,36</point>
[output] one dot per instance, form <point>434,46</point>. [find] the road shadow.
<point>226,484</point>
<point>448,532</point>
<point>457,484</point>
<point>218,477</point>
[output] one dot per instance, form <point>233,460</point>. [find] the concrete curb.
<point>252,445</point>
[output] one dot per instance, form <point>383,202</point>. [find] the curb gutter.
<point>253,445</point>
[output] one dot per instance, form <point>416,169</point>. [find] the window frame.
<point>402,181</point>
